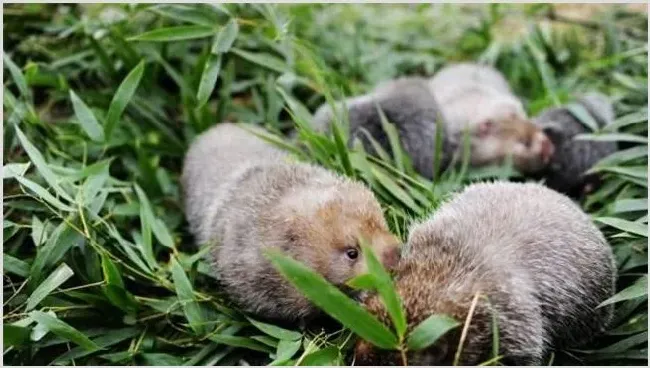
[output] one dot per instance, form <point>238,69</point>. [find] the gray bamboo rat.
<point>528,254</point>
<point>458,100</point>
<point>244,195</point>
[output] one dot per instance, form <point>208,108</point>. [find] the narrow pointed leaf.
<point>429,331</point>
<point>86,118</point>
<point>64,330</point>
<point>122,96</point>
<point>174,34</point>
<point>333,301</point>
<point>208,79</point>
<point>37,159</point>
<point>226,37</point>
<point>60,275</point>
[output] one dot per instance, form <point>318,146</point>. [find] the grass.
<point>101,102</point>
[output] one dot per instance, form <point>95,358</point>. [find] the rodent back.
<point>473,73</point>
<point>408,104</point>
<point>544,232</point>
<point>440,275</point>
<point>212,162</point>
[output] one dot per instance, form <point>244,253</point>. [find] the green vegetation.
<point>101,102</point>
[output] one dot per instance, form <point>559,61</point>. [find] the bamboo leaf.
<point>17,76</point>
<point>43,194</point>
<point>185,294</point>
<point>208,79</point>
<point>628,226</point>
<point>386,290</point>
<point>42,167</point>
<point>429,331</point>
<point>14,335</point>
<point>277,332</point>
<point>226,37</point>
<point>333,301</point>
<point>637,290</point>
<point>122,96</point>
<point>86,118</point>
<point>174,34</point>
<point>60,275</point>
<point>64,330</point>
<point>264,59</point>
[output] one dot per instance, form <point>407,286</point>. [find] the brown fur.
<point>244,196</point>
<point>537,262</point>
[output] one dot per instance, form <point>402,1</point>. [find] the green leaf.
<point>226,37</point>
<point>86,118</point>
<point>626,344</point>
<point>637,290</point>
<point>629,205</point>
<point>122,97</point>
<point>628,226</point>
<point>17,76</point>
<point>240,342</point>
<point>393,139</point>
<point>201,354</point>
<point>95,182</point>
<point>298,109</point>
<point>14,335</point>
<point>160,231</point>
<point>117,357</point>
<point>611,137</point>
<point>208,79</point>
<point>184,13</point>
<point>12,170</point>
<point>333,301</point>
<point>395,190</point>
<point>107,339</point>
<point>634,325</point>
<point>174,34</point>
<point>581,113</point>
<point>185,294</point>
<point>57,245</point>
<point>328,356</point>
<point>43,194</point>
<point>264,59</point>
<point>386,290</point>
<point>64,330</point>
<point>630,119</point>
<point>161,359</point>
<point>42,167</point>
<point>266,340</point>
<point>623,156</point>
<point>60,275</point>
<point>14,265</point>
<point>429,331</point>
<point>38,231</point>
<point>114,288</point>
<point>640,171</point>
<point>287,349</point>
<point>340,140</point>
<point>277,332</point>
<point>362,282</point>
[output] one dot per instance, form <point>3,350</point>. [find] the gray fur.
<point>572,158</point>
<point>243,195</point>
<point>469,93</point>
<point>535,254</point>
<point>410,106</point>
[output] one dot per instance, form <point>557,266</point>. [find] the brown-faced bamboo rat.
<point>244,195</point>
